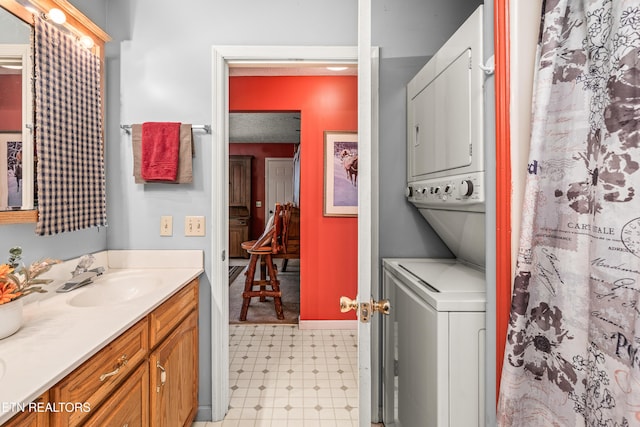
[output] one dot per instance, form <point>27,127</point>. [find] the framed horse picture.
<point>340,173</point>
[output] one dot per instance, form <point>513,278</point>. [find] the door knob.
<point>383,306</point>
<point>364,309</point>
<point>347,304</point>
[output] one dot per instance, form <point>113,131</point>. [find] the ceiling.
<point>264,127</point>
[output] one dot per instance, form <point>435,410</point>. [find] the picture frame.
<point>340,173</point>
<point>11,165</point>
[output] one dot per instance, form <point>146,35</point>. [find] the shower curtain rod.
<point>206,128</point>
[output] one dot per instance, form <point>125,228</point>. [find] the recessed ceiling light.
<point>12,67</point>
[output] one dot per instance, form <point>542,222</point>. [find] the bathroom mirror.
<point>16,115</point>
<point>18,188</point>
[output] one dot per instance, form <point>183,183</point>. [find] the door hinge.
<point>396,368</point>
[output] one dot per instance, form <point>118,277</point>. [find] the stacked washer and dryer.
<point>434,339</point>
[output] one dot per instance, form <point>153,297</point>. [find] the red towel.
<point>160,151</point>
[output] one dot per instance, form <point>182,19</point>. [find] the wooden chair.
<point>271,242</point>
<point>291,236</point>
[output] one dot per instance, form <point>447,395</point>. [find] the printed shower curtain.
<point>572,356</point>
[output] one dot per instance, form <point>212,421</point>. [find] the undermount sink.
<point>114,288</point>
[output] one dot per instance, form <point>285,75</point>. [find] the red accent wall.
<point>259,153</point>
<point>503,183</point>
<point>329,245</point>
<point>11,102</point>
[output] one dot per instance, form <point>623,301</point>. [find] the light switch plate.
<point>166,225</point>
<point>194,226</point>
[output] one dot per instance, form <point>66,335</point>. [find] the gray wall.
<point>408,33</point>
<point>159,68</point>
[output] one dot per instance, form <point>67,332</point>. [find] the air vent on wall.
<point>264,127</point>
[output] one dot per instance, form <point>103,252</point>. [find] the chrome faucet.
<point>83,265</point>
<point>82,276</point>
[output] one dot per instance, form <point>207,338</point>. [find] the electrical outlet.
<point>166,225</point>
<point>258,204</point>
<point>194,226</point>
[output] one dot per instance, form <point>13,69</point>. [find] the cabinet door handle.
<point>163,376</point>
<point>122,362</point>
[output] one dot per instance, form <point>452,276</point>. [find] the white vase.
<point>10,318</point>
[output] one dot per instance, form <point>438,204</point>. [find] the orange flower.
<point>4,270</point>
<point>8,292</point>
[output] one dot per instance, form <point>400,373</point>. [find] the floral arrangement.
<point>17,282</point>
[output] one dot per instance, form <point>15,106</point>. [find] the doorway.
<point>249,213</point>
<point>367,220</point>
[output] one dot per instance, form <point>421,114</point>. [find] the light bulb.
<point>57,16</point>
<point>86,41</point>
<point>336,68</point>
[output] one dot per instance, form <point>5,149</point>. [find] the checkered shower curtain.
<point>69,141</point>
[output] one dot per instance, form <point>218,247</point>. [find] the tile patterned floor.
<point>285,377</point>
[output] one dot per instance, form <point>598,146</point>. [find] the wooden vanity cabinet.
<point>148,376</point>
<point>97,378</point>
<point>128,406</point>
<point>173,361</point>
<point>174,376</point>
<point>32,419</point>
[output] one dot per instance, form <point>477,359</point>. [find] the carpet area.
<point>234,271</point>
<point>264,312</point>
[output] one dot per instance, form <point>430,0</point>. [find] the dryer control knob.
<point>408,192</point>
<point>466,188</point>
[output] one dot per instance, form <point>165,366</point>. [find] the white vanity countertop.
<point>57,337</point>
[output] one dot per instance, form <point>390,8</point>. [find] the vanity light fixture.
<point>86,41</point>
<point>57,16</point>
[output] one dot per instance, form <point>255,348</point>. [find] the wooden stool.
<point>262,250</point>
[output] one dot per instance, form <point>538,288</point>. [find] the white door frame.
<point>367,59</point>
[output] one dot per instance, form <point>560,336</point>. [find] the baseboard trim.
<point>204,414</point>
<point>328,324</point>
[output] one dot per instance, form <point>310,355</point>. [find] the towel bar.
<point>206,128</point>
